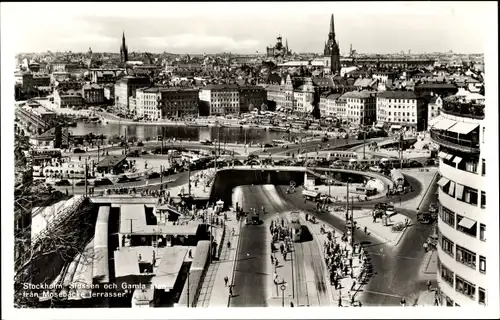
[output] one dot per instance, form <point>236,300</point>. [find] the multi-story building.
<point>360,107</point>
<point>220,99</point>
<point>434,108</point>
<point>126,88</point>
<point>109,92</point>
<point>402,109</point>
<point>328,106</point>
<point>157,103</point>
<point>251,97</point>
<point>68,98</point>
<point>282,95</point>
<point>304,98</point>
<point>93,94</point>
<point>462,252</point>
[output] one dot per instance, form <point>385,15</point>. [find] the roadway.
<point>253,271</point>
<point>396,269</point>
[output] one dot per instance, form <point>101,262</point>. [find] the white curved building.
<point>462,250</point>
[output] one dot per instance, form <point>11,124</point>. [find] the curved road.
<point>396,270</point>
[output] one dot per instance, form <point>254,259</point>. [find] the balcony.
<point>462,145</point>
<point>463,109</point>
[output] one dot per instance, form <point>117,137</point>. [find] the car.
<point>430,162</point>
<point>154,175</point>
<point>267,145</point>
<point>207,142</point>
<point>62,183</point>
<point>78,150</point>
<point>252,156</point>
<point>324,139</point>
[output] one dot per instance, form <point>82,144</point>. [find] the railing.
<point>469,110</point>
<point>455,143</point>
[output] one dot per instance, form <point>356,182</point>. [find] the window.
<point>447,245</point>
<point>482,264</point>
<point>482,296</point>
<point>447,275</point>
<point>470,196</point>
<point>483,167</point>
<point>469,227</point>
<point>448,216</point>
<point>466,257</point>
<point>482,232</point>
<point>465,287</point>
<point>483,199</point>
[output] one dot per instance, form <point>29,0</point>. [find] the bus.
<point>46,154</point>
<point>397,177</point>
<point>367,191</point>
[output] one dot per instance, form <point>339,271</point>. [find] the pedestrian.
<point>350,262</point>
<point>403,302</point>
<point>429,285</point>
<point>291,304</point>
<point>353,284</point>
<point>226,279</point>
<point>276,262</point>
<point>190,253</point>
<point>366,230</point>
<point>272,259</point>
<point>426,246</point>
<point>229,244</point>
<point>231,290</point>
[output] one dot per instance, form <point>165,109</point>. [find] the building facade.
<point>126,88</point>
<point>360,107</point>
<point>403,108</point>
<point>330,105</point>
<point>304,98</point>
<point>68,98</point>
<point>220,99</point>
<point>462,252</point>
<point>251,97</point>
<point>93,94</point>
<point>282,95</point>
<point>434,108</point>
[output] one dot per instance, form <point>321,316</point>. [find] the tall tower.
<point>332,50</point>
<point>123,50</point>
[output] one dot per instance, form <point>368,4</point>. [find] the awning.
<point>442,154</point>
<point>466,223</point>
<point>463,127</point>
<point>459,191</point>
<point>448,156</point>
<point>457,160</point>
<point>379,125</point>
<point>444,124</point>
<point>452,188</point>
<point>443,181</point>
<point>395,126</point>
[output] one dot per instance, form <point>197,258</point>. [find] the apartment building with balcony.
<point>460,130</point>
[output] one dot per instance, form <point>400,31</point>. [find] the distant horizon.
<point>248,28</point>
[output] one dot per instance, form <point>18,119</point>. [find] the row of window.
<point>463,255</point>
<point>397,107</point>
<point>464,193</point>
<point>448,217</point>
<point>461,285</point>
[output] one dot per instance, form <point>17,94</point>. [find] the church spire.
<point>332,25</point>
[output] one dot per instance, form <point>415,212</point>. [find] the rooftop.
<point>111,161</point>
<point>359,94</point>
<point>166,267</point>
<point>398,95</point>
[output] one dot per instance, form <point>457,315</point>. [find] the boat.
<point>196,125</point>
<point>278,129</point>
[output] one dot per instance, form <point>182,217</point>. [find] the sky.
<point>248,27</point>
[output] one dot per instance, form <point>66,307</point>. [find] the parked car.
<point>78,150</point>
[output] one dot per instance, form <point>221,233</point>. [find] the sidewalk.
<point>363,218</point>
<point>428,268</point>
<point>342,296</point>
<point>213,292</point>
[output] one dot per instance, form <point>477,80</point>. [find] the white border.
<point>8,39</point>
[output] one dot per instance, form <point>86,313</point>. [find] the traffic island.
<point>390,232</point>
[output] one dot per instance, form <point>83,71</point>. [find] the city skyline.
<point>203,27</point>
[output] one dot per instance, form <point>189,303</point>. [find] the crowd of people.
<point>205,178</point>
<point>339,259</point>
<point>281,235</point>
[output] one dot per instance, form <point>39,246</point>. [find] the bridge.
<point>124,199</point>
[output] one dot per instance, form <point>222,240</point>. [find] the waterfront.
<point>143,132</point>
